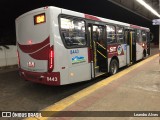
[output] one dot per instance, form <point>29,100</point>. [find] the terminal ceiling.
<point>134,6</point>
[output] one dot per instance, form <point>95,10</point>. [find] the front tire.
<point>113,68</point>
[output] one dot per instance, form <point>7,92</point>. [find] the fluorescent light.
<point>148,7</point>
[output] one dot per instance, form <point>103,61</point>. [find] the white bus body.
<point>44,57</point>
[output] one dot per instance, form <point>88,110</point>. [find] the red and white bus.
<point>58,46</point>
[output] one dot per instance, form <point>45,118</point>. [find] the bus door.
<point>98,47</point>
<point>131,46</point>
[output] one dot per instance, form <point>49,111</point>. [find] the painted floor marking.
<point>66,102</point>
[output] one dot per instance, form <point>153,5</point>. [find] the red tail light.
<point>51,60</point>
<point>18,58</point>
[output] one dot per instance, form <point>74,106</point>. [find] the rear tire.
<point>113,68</point>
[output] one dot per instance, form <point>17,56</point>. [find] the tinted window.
<point>126,36</point>
<point>111,34</point>
<point>120,37</point>
<point>144,36</point>
<point>73,32</point>
<point>138,36</point>
<point>98,33</point>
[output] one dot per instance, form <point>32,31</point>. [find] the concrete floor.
<point>139,90</point>
<point>19,95</point>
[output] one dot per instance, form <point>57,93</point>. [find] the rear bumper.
<point>52,78</point>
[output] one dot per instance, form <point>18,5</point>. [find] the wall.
<point>8,55</point>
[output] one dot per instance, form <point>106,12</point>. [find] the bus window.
<point>111,32</point>
<point>138,36</point>
<point>120,37</point>
<point>144,36</point>
<point>73,32</point>
<point>126,34</point>
<point>98,34</point>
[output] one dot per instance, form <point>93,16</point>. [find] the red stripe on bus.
<point>114,52</point>
<point>92,17</point>
<point>41,54</point>
<point>89,55</point>
<point>33,47</point>
<point>138,27</point>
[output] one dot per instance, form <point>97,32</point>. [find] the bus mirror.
<point>151,37</point>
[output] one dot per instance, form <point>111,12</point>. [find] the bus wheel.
<point>113,69</point>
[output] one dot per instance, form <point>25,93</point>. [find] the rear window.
<point>73,32</point>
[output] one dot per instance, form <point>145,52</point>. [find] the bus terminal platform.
<point>137,88</point>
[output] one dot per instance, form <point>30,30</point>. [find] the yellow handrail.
<point>101,45</point>
<point>101,54</point>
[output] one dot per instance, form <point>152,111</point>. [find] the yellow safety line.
<point>66,102</point>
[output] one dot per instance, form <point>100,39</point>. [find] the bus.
<point>56,46</point>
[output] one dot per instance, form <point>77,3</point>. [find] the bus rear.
<point>36,47</point>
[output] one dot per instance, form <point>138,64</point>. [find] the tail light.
<point>18,58</point>
<point>51,60</point>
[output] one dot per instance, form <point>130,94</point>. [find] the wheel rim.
<point>114,68</point>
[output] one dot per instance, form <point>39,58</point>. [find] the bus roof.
<point>87,16</point>
<point>96,18</point>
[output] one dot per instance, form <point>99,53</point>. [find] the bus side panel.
<point>119,51</point>
<point>122,58</point>
<point>60,52</point>
<point>80,73</point>
<point>139,51</point>
<point>71,71</point>
<point>79,68</point>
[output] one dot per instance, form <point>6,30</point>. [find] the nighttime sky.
<point>12,9</point>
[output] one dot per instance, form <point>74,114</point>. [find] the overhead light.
<point>148,7</point>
